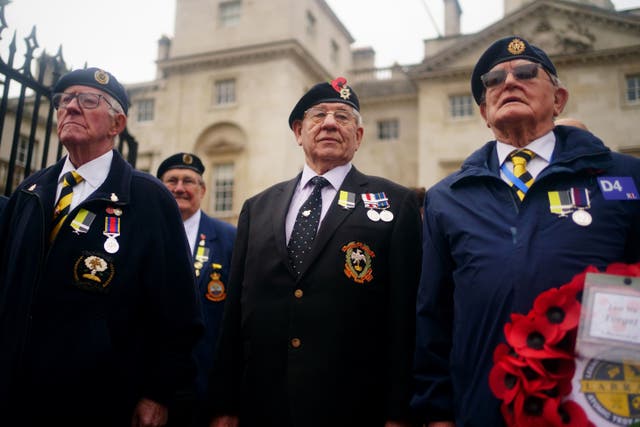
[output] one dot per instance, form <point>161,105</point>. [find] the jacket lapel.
<point>354,182</point>
<point>282,200</point>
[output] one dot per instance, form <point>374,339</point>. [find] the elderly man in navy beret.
<point>211,244</point>
<point>98,312</point>
<point>525,213</point>
<point>318,327</point>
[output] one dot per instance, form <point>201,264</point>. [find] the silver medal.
<point>373,215</point>
<point>386,215</point>
<point>111,245</point>
<point>581,217</point>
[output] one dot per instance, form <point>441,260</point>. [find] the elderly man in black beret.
<point>211,244</point>
<point>98,312</point>
<point>525,213</point>
<point>318,327</point>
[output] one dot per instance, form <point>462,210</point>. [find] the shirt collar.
<point>94,172</point>
<point>335,176</point>
<point>543,147</point>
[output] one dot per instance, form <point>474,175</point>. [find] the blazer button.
<point>295,343</point>
<point>298,293</point>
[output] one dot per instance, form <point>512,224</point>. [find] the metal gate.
<point>27,115</point>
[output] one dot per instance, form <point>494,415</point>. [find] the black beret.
<point>181,161</point>
<point>97,78</point>
<point>507,49</point>
<point>334,91</point>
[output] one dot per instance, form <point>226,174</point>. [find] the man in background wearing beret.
<point>211,245</point>
<point>494,238</point>
<point>318,327</point>
<point>98,312</point>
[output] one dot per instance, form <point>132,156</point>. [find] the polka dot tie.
<point>306,225</point>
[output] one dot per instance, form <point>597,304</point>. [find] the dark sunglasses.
<point>520,72</point>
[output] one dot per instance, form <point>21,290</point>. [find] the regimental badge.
<point>516,47</point>
<point>93,272</point>
<point>339,84</point>
<point>101,77</point>
<point>357,264</point>
<point>612,390</point>
<point>215,288</point>
<point>187,159</point>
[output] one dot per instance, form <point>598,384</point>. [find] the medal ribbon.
<point>112,226</point>
<point>347,199</point>
<point>560,202</point>
<point>580,197</point>
<point>82,221</point>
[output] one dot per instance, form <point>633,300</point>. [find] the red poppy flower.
<point>338,83</point>
<point>532,337</point>
<point>554,369</point>
<point>535,410</point>
<point>571,414</point>
<point>621,269</point>
<point>559,308</point>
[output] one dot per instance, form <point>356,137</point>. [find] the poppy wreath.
<point>532,371</point>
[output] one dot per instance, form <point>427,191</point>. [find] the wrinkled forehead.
<point>85,89</point>
<point>333,106</point>
<point>178,172</point>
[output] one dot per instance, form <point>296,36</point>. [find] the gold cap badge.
<point>516,47</point>
<point>101,77</point>
<point>187,159</point>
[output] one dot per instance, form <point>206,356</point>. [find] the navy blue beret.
<point>334,91</point>
<point>181,161</point>
<point>96,78</point>
<point>507,49</point>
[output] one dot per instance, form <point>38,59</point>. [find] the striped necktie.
<point>306,225</point>
<point>70,179</point>
<point>520,159</point>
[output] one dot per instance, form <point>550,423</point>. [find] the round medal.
<point>581,217</point>
<point>386,215</point>
<point>373,215</point>
<point>111,245</point>
<point>197,265</point>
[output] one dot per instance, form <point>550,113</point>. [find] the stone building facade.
<point>229,77</point>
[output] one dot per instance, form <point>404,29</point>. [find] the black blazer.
<point>334,346</point>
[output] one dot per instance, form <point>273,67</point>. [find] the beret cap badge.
<point>101,77</point>
<point>516,47</point>
<point>340,86</point>
<point>187,159</point>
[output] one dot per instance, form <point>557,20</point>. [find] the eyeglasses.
<point>186,182</point>
<point>87,101</point>
<point>520,72</point>
<point>318,115</point>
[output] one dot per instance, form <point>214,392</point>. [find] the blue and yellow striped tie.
<point>70,179</point>
<point>520,159</point>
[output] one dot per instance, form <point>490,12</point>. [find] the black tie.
<point>306,225</point>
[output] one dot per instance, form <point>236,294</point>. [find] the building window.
<point>335,52</point>
<point>460,106</point>
<point>230,11</point>
<point>223,188</point>
<point>311,24</point>
<point>388,129</point>
<point>21,153</point>
<point>225,92</point>
<point>145,109</point>
<point>633,89</point>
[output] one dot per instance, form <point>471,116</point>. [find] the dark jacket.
<point>323,349</point>
<point>86,333</point>
<point>486,255</point>
<point>212,287</point>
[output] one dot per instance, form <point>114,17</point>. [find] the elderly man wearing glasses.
<point>98,312</point>
<point>525,213</point>
<point>211,244</point>
<point>318,328</point>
